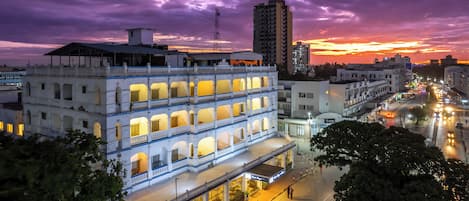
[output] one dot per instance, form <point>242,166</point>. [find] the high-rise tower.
<point>273,33</point>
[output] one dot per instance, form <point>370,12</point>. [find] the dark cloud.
<point>436,22</point>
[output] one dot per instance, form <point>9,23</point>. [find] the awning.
<point>266,173</point>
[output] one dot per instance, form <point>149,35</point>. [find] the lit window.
<point>10,128</point>
<point>1,126</point>
<point>20,129</point>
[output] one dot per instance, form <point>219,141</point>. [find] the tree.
<point>64,168</point>
<point>384,164</point>
<point>419,114</point>
<point>456,179</point>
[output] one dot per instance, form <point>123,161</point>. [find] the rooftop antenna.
<point>216,35</point>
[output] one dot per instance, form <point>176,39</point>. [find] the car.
<point>451,142</point>
<point>459,125</point>
<point>450,134</point>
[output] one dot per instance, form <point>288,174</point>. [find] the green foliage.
<point>457,179</point>
<point>68,168</point>
<point>384,164</point>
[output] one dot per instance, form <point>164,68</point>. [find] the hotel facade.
<point>160,117</point>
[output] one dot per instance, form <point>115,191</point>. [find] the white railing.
<point>139,105</point>
<point>160,170</point>
<point>206,158</point>
<point>180,129</point>
<point>239,118</point>
<point>139,178</point>
<point>180,163</point>
<point>223,96</point>
<point>179,100</point>
<point>238,146</point>
<point>140,70</point>
<point>159,135</point>
<point>161,102</point>
<point>203,126</point>
<point>223,122</point>
<point>239,93</point>
<point>138,139</point>
<point>223,151</point>
<point>205,98</point>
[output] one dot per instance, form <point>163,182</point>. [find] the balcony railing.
<point>180,163</point>
<point>139,178</point>
<point>109,71</point>
<point>223,151</point>
<point>159,102</point>
<point>203,126</point>
<point>223,122</point>
<point>159,134</point>
<point>180,129</point>
<point>160,170</point>
<point>138,105</point>
<point>206,158</point>
<point>138,139</point>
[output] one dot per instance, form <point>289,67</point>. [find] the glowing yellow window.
<point>20,129</point>
<point>10,128</point>
<point>1,126</point>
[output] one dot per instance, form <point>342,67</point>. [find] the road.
<point>434,129</point>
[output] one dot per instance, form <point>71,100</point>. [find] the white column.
<point>226,190</point>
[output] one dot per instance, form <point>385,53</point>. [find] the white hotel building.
<point>162,118</point>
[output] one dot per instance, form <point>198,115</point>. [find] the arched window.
<point>118,95</point>
<point>139,163</point>
<point>118,131</point>
<point>97,130</point>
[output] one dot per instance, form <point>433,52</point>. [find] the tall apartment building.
<point>448,61</point>
<point>300,57</point>
<point>164,122</point>
<point>457,79</point>
<point>273,33</point>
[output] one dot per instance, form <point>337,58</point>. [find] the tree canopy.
<point>65,168</point>
<point>387,164</point>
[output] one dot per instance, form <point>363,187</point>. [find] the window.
<point>43,86</point>
<point>1,126</point>
<point>174,121</point>
<point>302,95</point>
<point>67,91</point>
<point>309,95</point>
<point>156,161</point>
<point>155,125</point>
<point>10,128</point>
<point>85,124</point>
<point>301,107</point>
<point>134,130</point>
<point>56,91</point>
<point>43,115</point>
<point>83,89</point>
<point>309,107</point>
<point>20,131</point>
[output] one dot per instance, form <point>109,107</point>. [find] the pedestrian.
<point>288,191</point>
<point>291,193</point>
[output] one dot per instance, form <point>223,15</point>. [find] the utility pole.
<point>216,34</point>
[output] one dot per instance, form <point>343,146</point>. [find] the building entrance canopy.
<point>266,173</point>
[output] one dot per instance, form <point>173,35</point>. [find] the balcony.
<point>159,102</point>
<point>203,126</point>
<point>178,100</point>
<point>239,93</point>
<point>238,146</point>
<point>239,118</point>
<point>223,96</point>
<point>180,163</point>
<point>138,105</point>
<point>179,130</point>
<point>224,122</point>
<point>138,139</point>
<point>160,170</point>
<point>223,151</point>
<point>206,158</point>
<point>139,178</point>
<point>203,98</point>
<point>159,135</point>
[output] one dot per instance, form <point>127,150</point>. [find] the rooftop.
<point>189,180</point>
<point>105,49</point>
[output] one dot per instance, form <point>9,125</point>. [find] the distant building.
<point>448,61</point>
<point>273,33</point>
<point>396,70</point>
<point>300,57</point>
<point>10,78</point>
<point>434,62</point>
<point>306,107</point>
<point>11,113</point>
<point>457,79</point>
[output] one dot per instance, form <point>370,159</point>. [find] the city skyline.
<point>337,31</point>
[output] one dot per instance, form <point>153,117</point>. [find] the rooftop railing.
<point>110,71</point>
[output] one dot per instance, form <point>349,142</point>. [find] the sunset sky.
<point>344,31</point>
